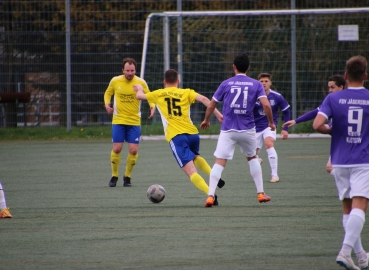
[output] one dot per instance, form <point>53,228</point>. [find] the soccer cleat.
<point>113,181</point>
<point>363,264</point>
<point>221,183</point>
<point>260,161</point>
<point>346,262</point>
<point>209,201</point>
<point>274,179</point>
<point>262,197</point>
<point>5,213</point>
<point>126,181</point>
<point>215,200</point>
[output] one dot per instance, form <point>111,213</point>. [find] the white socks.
<point>273,160</point>
<point>255,171</point>
<point>215,175</point>
<point>353,228</point>
<point>358,247</point>
<point>2,198</point>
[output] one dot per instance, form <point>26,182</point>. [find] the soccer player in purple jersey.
<point>239,95</point>
<point>335,83</point>
<point>349,111</point>
<point>263,133</point>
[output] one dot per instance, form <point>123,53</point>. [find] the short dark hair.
<point>339,80</point>
<point>264,75</point>
<point>130,61</point>
<point>356,68</point>
<point>171,76</point>
<point>242,62</point>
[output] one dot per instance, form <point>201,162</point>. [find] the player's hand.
<point>109,109</point>
<point>152,111</point>
<point>205,125</point>
<point>289,123</point>
<point>284,134</point>
<point>272,126</point>
<point>137,87</point>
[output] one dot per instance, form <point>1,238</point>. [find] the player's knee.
<point>117,149</point>
<point>269,145</point>
<point>134,152</point>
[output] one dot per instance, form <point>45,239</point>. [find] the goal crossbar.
<point>238,13</point>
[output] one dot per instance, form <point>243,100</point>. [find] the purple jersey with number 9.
<point>239,95</point>
<point>349,111</point>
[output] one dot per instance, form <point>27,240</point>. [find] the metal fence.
<point>33,52</point>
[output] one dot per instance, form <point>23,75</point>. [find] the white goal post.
<point>246,13</point>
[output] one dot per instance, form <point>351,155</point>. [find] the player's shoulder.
<point>275,93</point>
<point>189,90</point>
<point>241,79</point>
<point>139,79</point>
<point>157,91</point>
<point>117,78</point>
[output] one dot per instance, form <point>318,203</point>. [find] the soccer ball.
<point>156,193</point>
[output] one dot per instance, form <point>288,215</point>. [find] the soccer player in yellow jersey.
<point>126,124</point>
<point>174,105</point>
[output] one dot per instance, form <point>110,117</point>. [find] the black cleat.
<point>215,200</point>
<point>126,181</point>
<point>221,183</point>
<point>113,181</point>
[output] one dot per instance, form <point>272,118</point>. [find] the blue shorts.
<point>185,147</point>
<point>126,133</point>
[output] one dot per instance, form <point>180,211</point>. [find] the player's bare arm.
<point>289,123</point>
<point>142,96</point>
<point>209,111</point>
<point>268,112</point>
<point>139,92</point>
<point>152,111</point>
<point>204,100</point>
<point>320,126</point>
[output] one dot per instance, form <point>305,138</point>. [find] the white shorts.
<point>352,181</point>
<point>261,136</point>
<point>227,142</point>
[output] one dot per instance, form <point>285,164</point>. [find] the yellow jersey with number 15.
<point>174,106</point>
<point>127,109</point>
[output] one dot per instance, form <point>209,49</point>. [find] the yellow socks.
<point>199,182</point>
<point>115,161</point>
<point>130,163</point>
<point>201,163</point>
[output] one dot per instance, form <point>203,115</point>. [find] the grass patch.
<point>104,132</point>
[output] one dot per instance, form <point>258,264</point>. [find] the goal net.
<point>300,48</point>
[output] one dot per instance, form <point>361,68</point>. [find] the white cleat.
<point>274,179</point>
<point>363,264</point>
<point>346,262</point>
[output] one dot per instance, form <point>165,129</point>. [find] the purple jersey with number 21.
<point>349,110</point>
<point>239,95</point>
